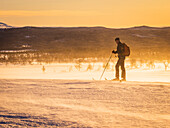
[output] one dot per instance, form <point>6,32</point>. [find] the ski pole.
<point>106,66</point>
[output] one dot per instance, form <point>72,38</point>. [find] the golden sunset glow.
<point>84,63</point>
<point>108,13</point>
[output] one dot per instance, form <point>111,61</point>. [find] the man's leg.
<point>117,69</point>
<point>122,64</point>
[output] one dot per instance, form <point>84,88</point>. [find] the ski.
<point>110,80</point>
<point>113,80</point>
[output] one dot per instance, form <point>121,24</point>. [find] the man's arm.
<point>115,51</point>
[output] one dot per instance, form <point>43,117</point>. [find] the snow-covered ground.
<point>84,103</point>
<point>13,51</point>
<point>62,96</point>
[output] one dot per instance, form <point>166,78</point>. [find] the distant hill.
<point>4,26</point>
<point>144,41</point>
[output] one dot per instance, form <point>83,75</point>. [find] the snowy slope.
<point>82,103</point>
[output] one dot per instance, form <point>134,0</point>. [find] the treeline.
<point>53,57</point>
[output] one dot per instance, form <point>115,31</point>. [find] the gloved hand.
<point>113,51</point>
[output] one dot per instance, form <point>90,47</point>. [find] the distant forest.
<point>83,43</point>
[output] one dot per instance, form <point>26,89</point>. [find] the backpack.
<point>126,50</point>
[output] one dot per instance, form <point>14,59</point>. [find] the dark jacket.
<point>120,50</point>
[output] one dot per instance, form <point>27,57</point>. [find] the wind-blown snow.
<point>83,103</point>
<point>69,71</point>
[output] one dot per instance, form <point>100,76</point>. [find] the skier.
<point>121,61</point>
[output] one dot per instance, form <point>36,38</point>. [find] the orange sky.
<point>108,13</point>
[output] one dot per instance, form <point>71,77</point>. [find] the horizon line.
<point>135,26</point>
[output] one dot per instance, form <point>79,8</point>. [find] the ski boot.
<point>123,80</point>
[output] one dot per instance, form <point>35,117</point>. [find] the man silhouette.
<point>121,61</point>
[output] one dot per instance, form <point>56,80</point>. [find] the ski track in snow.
<point>83,104</point>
